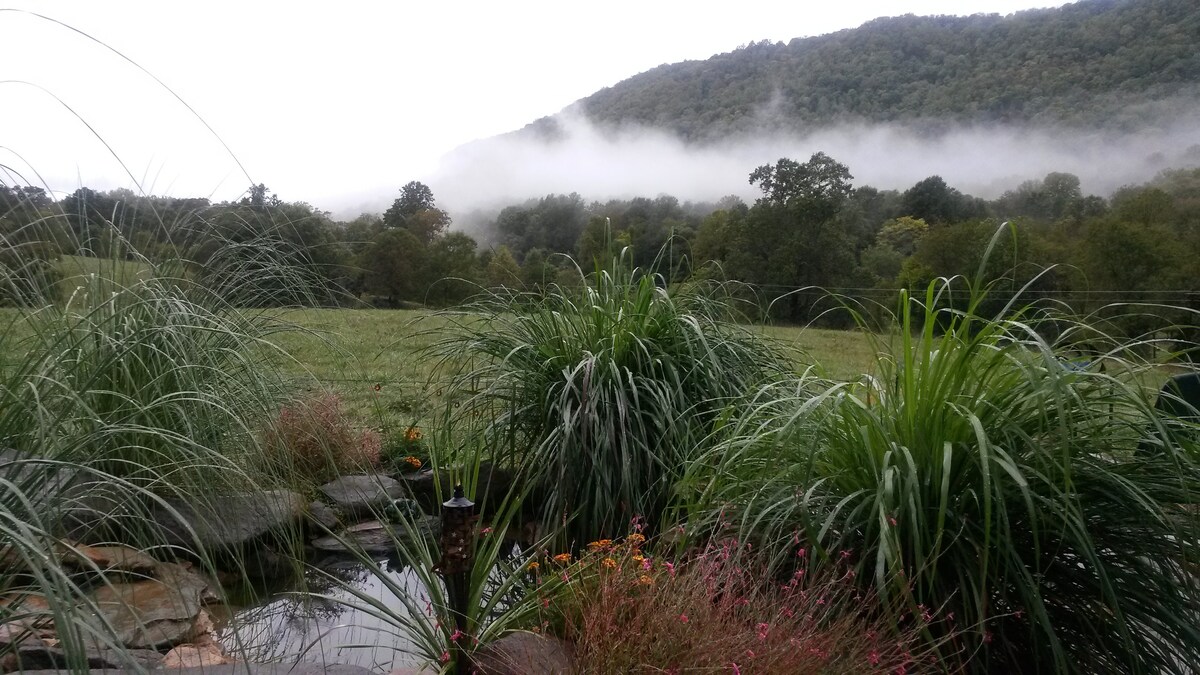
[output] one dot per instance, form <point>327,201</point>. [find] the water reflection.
<point>299,624</point>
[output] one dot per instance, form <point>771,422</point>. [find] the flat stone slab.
<point>232,521</point>
<point>363,495</point>
<point>156,613</point>
<point>374,536</point>
<point>115,558</point>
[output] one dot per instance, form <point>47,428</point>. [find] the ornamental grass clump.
<point>719,610</point>
<point>982,471</point>
<point>600,393</point>
<point>158,381</point>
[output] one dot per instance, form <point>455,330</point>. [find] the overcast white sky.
<point>334,102</point>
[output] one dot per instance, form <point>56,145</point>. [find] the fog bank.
<point>983,161</point>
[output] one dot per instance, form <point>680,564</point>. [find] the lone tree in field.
<point>416,212</point>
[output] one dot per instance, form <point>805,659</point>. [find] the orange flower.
<point>412,435</point>
<point>609,563</point>
<point>563,558</point>
<point>413,462</point>
<point>646,580</point>
<point>635,538</point>
<point>533,566</point>
<point>638,557</point>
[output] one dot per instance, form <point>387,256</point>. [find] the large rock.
<point>322,517</point>
<point>363,495</point>
<point>524,654</point>
<point>374,536</point>
<point>232,522</point>
<point>155,613</point>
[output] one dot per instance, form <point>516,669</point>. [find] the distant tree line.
<point>811,232</point>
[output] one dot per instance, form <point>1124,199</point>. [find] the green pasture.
<point>352,350</point>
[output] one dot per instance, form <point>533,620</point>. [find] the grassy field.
<point>351,351</point>
<point>376,360</point>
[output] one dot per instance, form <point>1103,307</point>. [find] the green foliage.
<point>553,222</point>
<point>404,451</point>
<point>934,202</point>
<point>792,239</point>
<point>1082,64</point>
<point>977,476</point>
<point>393,262</point>
<point>415,212</point>
<point>602,393</point>
<point>818,182</point>
<point>502,269</point>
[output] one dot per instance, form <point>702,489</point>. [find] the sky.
<point>338,104</point>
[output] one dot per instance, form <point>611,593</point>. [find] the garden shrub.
<point>313,438</point>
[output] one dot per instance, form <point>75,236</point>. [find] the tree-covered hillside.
<point>1095,63</point>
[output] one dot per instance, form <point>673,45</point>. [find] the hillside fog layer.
<point>980,160</point>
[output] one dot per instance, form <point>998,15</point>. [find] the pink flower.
<point>485,531</point>
<point>670,569</point>
<point>873,657</point>
<point>683,618</point>
<point>802,552</point>
<point>646,564</point>
<point>762,631</point>
<point>445,657</point>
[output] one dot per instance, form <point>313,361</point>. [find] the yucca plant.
<point>603,391</point>
<point>980,475</point>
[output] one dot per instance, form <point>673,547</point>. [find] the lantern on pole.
<point>458,557</point>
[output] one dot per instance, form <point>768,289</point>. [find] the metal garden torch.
<point>458,557</point>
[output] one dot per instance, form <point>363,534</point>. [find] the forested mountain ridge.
<point>1114,64</point>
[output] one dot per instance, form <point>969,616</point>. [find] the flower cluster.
<point>404,449</point>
